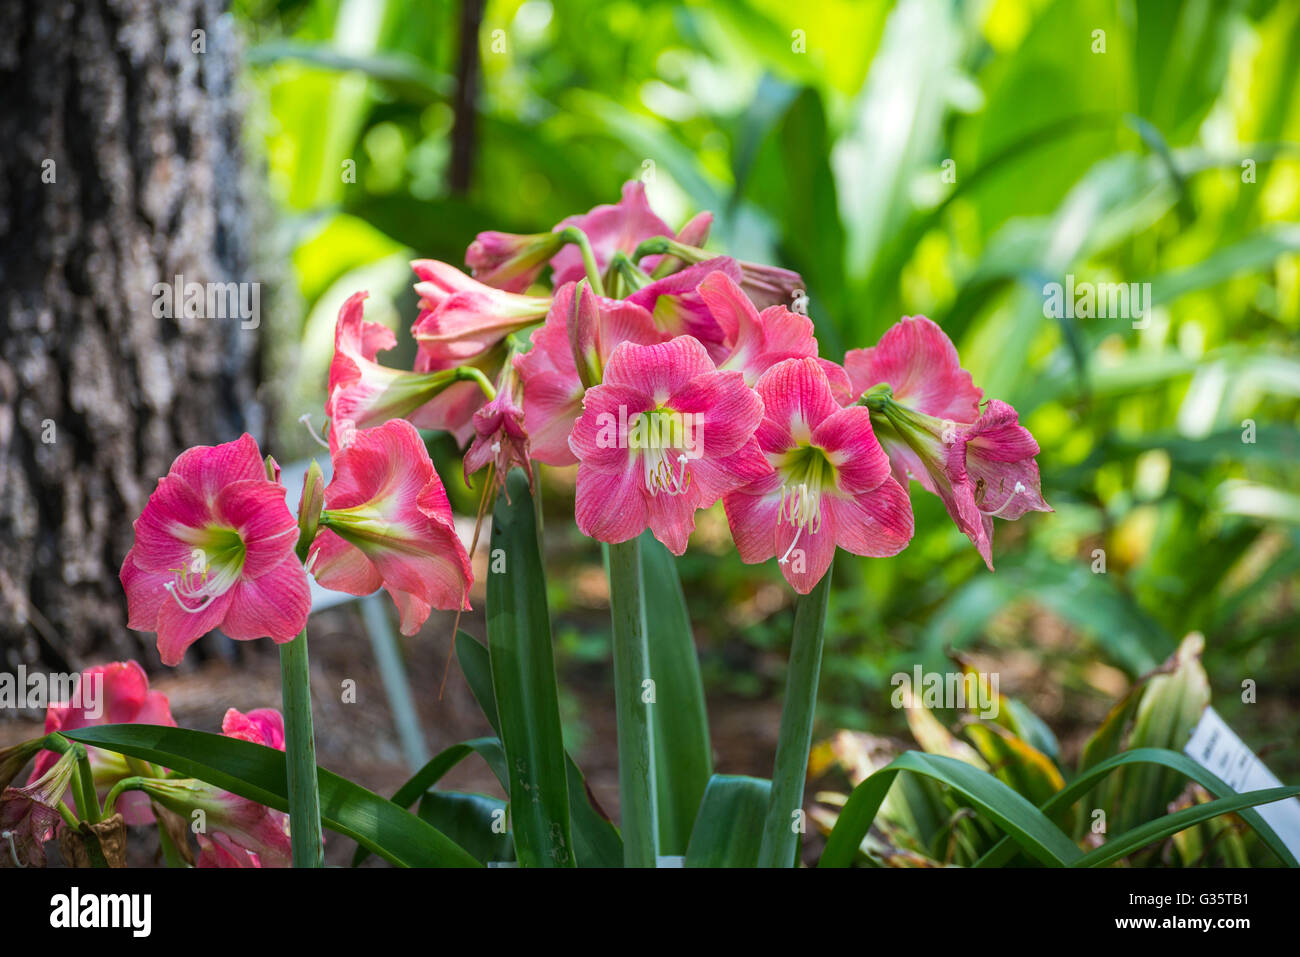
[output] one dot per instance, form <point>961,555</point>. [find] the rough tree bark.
<point>119,169</point>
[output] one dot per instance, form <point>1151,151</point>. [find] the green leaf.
<point>729,827</point>
<point>1162,827</point>
<point>595,839</point>
<point>470,820</point>
<point>489,749</point>
<point>1023,822</point>
<point>257,773</point>
<point>1175,760</point>
<point>683,763</point>
<point>523,680</point>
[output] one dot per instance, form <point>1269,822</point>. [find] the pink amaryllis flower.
<point>926,411</point>
<point>363,393</point>
<point>679,309</point>
<point>613,228</point>
<point>387,522</point>
<point>214,548</point>
<point>511,261</point>
<point>461,318</point>
<point>234,832</point>
<point>827,483</point>
<point>549,374</point>
<point>29,815</point>
<point>757,341</point>
<point>663,435</point>
<point>116,693</point>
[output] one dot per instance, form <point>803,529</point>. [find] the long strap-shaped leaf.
<point>1023,822</point>
<point>257,773</point>
<point>523,677</point>
<point>730,823</point>
<point>1162,827</point>
<point>595,839</point>
<point>1004,850</point>
<point>683,762</point>
<point>489,749</point>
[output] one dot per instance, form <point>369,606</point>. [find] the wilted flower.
<point>501,439</point>
<point>124,698</point>
<point>29,815</point>
<point>213,548</point>
<point>663,435</point>
<point>827,481</point>
<point>387,522</point>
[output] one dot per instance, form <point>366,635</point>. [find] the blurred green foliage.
<point>925,156</point>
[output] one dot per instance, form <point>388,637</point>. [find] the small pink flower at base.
<point>511,261</point>
<point>29,815</point>
<point>121,695</point>
<point>679,309</point>
<point>461,318</point>
<point>827,482</point>
<point>549,373</point>
<point>992,462</point>
<point>214,548</point>
<point>236,832</point>
<point>663,435</point>
<point>501,439</point>
<point>387,522</point>
<point>613,228</point>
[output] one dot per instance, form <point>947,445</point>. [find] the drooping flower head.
<point>234,832</point>
<point>121,695</point>
<point>29,815</point>
<point>214,548</point>
<point>827,483</point>
<point>926,411</point>
<point>501,439</point>
<point>387,522</point>
<point>663,435</point>
<point>549,374</point>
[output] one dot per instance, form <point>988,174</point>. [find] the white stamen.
<point>208,600</point>
<point>305,419</point>
<point>1018,490</point>
<point>13,850</point>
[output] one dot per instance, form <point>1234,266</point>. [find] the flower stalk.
<point>300,753</point>
<point>783,824</point>
<point>636,771</point>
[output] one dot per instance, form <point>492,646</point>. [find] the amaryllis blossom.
<point>501,439</point>
<point>214,548</point>
<point>827,483</point>
<point>235,832</point>
<point>552,386</point>
<point>387,522</point>
<point>363,393</point>
<point>664,434</point>
<point>757,341</point>
<point>925,408</point>
<point>461,318</point>
<point>29,815</point>
<point>678,308</point>
<point>121,695</point>
<point>511,261</point>
<point>613,228</point>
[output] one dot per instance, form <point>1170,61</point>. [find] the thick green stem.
<point>86,798</point>
<point>784,821</point>
<point>636,771</point>
<point>300,753</point>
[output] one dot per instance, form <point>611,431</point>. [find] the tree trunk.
<point>119,170</point>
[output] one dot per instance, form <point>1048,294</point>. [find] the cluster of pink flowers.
<point>234,831</point>
<point>674,379</point>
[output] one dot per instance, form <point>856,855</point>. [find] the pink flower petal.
<point>274,605</point>
<point>920,364</point>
